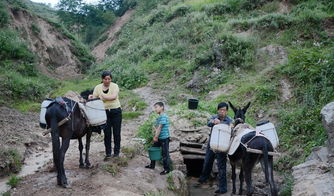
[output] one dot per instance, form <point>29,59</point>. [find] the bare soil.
<point>100,50</point>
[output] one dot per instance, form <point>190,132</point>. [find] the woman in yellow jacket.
<point>108,91</point>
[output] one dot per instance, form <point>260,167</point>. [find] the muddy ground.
<point>38,178</point>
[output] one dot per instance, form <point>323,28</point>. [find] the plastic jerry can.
<point>220,138</point>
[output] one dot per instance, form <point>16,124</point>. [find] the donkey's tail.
<point>265,160</point>
<point>55,141</point>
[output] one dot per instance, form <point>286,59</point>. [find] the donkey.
<point>247,160</point>
<point>75,127</point>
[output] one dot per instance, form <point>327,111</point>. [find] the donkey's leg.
<point>248,164</point>
<point>89,134</point>
<point>80,150</point>
<point>63,149</point>
<point>241,179</point>
<point>271,177</point>
<point>233,178</point>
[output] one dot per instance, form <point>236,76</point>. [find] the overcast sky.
<point>54,2</point>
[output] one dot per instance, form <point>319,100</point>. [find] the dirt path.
<point>131,180</point>
<point>100,50</point>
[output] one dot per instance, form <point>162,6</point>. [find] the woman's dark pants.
<point>114,121</point>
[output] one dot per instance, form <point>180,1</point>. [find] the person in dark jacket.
<point>220,118</point>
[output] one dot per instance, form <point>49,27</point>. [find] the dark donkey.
<point>247,160</point>
<point>75,127</point>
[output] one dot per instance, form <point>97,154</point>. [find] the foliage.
<point>131,115</point>
<point>11,47</point>
<point>128,78</point>
<point>13,181</point>
<point>268,22</point>
<point>237,52</point>
<point>12,161</point>
<point>115,167</point>
<point>83,54</point>
<point>170,182</point>
<point>35,28</point>
<point>4,17</point>
<point>288,185</point>
<point>311,70</point>
<point>146,130</point>
<point>19,76</point>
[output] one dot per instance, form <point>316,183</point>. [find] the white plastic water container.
<point>96,112</point>
<point>44,105</point>
<point>268,129</point>
<point>220,138</point>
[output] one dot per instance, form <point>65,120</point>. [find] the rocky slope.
<point>316,176</point>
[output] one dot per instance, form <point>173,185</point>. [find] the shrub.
<point>312,71</point>
<point>129,78</point>
<point>13,181</point>
<point>35,28</point>
<point>236,51</point>
<point>25,87</point>
<point>81,52</point>
<point>266,92</point>
<point>266,22</point>
<point>146,130</point>
<point>4,17</point>
<point>11,47</point>
<point>10,161</point>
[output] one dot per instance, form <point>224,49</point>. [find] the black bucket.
<point>192,104</point>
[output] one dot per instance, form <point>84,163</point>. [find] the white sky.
<point>54,2</point>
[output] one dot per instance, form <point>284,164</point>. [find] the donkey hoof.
<point>88,166</point>
<point>82,166</point>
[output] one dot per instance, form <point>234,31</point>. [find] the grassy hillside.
<point>197,46</point>
<point>192,47</point>
<point>22,84</point>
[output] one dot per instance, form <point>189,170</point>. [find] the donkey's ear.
<point>246,107</point>
<point>233,108</point>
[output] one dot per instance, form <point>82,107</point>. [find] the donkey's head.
<point>86,93</point>
<point>239,114</point>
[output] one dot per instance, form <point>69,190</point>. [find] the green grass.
<point>160,193</point>
<point>27,106</point>
<point>13,181</point>
<point>146,130</point>
<point>131,115</point>
<point>12,161</point>
<point>170,182</point>
<point>6,193</point>
<point>116,165</point>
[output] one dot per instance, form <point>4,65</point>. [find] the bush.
<point>4,17</point>
<point>233,6</point>
<point>236,51</point>
<point>10,161</point>
<point>24,87</point>
<point>35,29</point>
<point>11,47</point>
<point>146,130</point>
<point>13,181</point>
<point>82,53</point>
<point>267,92</point>
<point>129,78</point>
<point>311,70</point>
<point>266,22</point>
